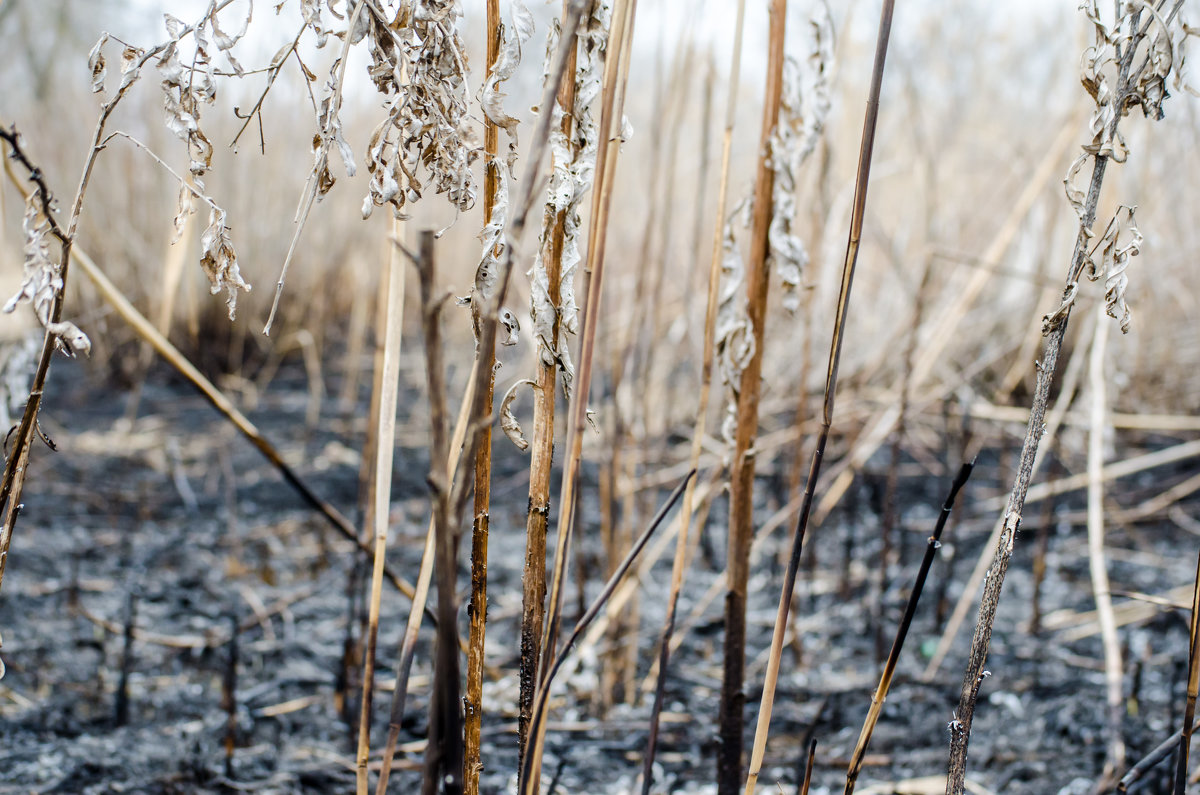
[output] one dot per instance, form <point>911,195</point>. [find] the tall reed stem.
<point>384,432</point>
<point>533,598</point>
<point>831,374</point>
<point>477,608</point>
<point>741,495</point>
<point>699,430</point>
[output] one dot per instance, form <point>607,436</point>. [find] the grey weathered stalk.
<point>960,726</point>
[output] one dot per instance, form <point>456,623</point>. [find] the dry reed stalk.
<point>1193,687</point>
<point>528,778</point>
<point>835,351</point>
<point>384,432</point>
<point>477,607</point>
<point>408,643</point>
<point>444,754</point>
<point>741,494</point>
<point>533,580</point>
<point>809,763</point>
<point>1053,422</point>
<point>1131,88</point>
<point>889,668</point>
<point>616,70</point>
<point>1114,669</point>
<point>706,376</point>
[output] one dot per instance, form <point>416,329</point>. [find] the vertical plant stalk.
<point>835,354</point>
<point>741,494</point>
<point>1193,686</point>
<point>1114,763</point>
<point>533,600</point>
<point>698,432</point>
<point>616,70</point>
<point>384,433</point>
<point>477,607</point>
<point>529,781</point>
<point>408,644</point>
<point>444,753</point>
<point>1126,91</point>
<point>889,668</point>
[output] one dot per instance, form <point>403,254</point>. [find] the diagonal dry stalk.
<point>383,444</point>
<point>533,581</point>
<point>1114,762</point>
<point>741,493</point>
<point>889,668</point>
<point>1127,92</point>
<point>477,607</point>
<point>835,352</point>
<point>699,430</point>
<point>537,731</point>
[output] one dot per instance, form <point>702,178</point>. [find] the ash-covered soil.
<point>140,547</point>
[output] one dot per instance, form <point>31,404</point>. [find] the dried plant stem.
<point>384,432</point>
<point>741,494</point>
<point>616,68</point>
<point>835,352</point>
<point>537,734</point>
<point>960,731</point>
<point>699,430</point>
<point>1114,764</point>
<point>533,600</point>
<point>477,607</point>
<point>1193,687</point>
<point>444,753</point>
<point>889,668</point>
<point>408,644</point>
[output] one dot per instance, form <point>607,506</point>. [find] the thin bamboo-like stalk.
<point>835,352</point>
<point>889,668</point>
<point>1193,687</point>
<point>1114,669</point>
<point>741,492</point>
<point>444,753</point>
<point>616,70</point>
<point>408,644</point>
<point>537,732</point>
<point>533,600</point>
<point>699,430</point>
<point>384,431</point>
<point>477,607</point>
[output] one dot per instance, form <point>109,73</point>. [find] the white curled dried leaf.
<point>512,39</point>
<point>487,274</point>
<point>733,333</point>
<point>1121,240</point>
<point>71,340</point>
<point>219,260</point>
<point>43,282</point>
<point>97,64</point>
<point>508,421</point>
<point>511,326</point>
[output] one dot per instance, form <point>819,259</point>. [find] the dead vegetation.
<point>650,264</point>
